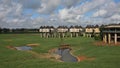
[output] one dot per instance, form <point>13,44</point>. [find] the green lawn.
<point>105,56</point>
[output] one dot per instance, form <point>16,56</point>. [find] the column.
<point>59,35</point>
<point>105,38</point>
<point>46,35</point>
<point>115,38</point>
<point>83,34</point>
<point>109,38</point>
<point>71,35</point>
<point>87,35</point>
<point>63,35</point>
<point>90,35</point>
<point>41,35</point>
<point>76,34</point>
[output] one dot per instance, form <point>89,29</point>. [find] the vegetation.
<point>97,37</point>
<point>101,29</point>
<point>105,56</point>
<point>18,30</point>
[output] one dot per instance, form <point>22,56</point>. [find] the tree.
<point>101,29</point>
<point>5,30</point>
<point>0,30</point>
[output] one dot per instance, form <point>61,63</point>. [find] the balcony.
<point>111,31</point>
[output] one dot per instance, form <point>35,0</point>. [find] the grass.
<point>105,56</point>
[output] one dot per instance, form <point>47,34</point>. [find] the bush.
<point>97,37</point>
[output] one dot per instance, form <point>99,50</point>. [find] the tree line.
<point>19,30</point>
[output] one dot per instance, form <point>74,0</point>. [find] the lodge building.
<point>75,31</point>
<point>62,30</point>
<point>72,31</point>
<point>91,30</point>
<point>111,33</point>
<point>46,31</point>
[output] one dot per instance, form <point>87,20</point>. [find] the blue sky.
<point>35,13</point>
<point>117,1</point>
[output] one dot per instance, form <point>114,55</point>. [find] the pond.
<point>66,55</point>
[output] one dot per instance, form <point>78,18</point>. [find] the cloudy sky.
<point>36,13</point>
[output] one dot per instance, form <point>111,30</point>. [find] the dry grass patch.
<point>33,45</point>
<point>82,58</point>
<point>11,47</point>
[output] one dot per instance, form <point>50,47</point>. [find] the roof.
<point>92,26</point>
<point>76,26</point>
<point>46,27</point>
<point>113,26</point>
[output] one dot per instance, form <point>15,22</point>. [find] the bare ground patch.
<point>82,58</point>
<point>101,43</point>
<point>11,47</point>
<point>33,44</point>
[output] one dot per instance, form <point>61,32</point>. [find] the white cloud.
<point>94,4</point>
<point>64,13</point>
<point>79,16</point>
<point>70,3</point>
<point>31,4</point>
<point>71,12</point>
<point>116,17</point>
<point>99,13</point>
<point>48,6</point>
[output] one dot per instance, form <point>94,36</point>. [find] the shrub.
<point>97,37</point>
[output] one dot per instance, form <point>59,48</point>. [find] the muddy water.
<point>66,55</point>
<point>24,48</point>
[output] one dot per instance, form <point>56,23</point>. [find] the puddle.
<point>23,48</point>
<point>66,55</point>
